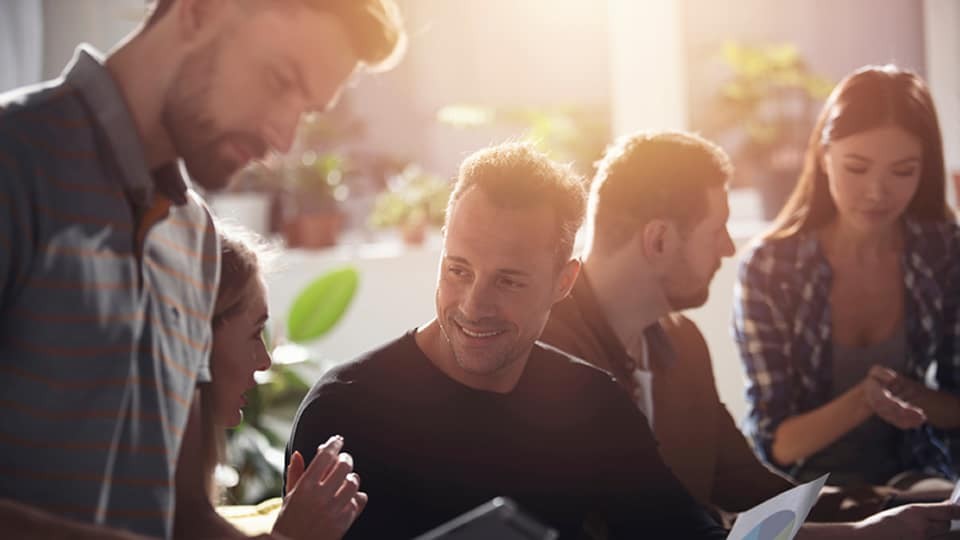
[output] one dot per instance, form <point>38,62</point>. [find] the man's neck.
<point>630,303</point>
<point>144,90</point>
<point>434,345</point>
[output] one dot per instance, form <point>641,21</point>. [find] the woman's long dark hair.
<point>871,97</point>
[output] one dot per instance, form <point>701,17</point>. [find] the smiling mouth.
<point>479,335</point>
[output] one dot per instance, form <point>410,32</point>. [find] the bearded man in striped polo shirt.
<point>108,259</point>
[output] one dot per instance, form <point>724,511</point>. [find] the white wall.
<point>396,294</point>
<point>482,52</point>
<point>942,31</point>
<point>101,23</point>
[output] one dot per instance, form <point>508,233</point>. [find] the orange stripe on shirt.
<point>75,446</point>
<point>88,219</point>
<point>181,276</point>
<point>59,384</point>
<point>87,510</point>
<point>74,318</point>
<point>11,209</point>
<point>106,189</point>
<point>43,475</point>
<point>187,224</point>
<point>171,302</point>
<point>44,146</point>
<point>70,352</point>
<point>184,370</point>
<point>183,338</point>
<point>73,251</point>
<point>167,242</point>
<point>40,283</point>
<point>37,412</point>
<point>54,119</point>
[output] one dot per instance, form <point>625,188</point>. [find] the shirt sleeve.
<point>948,363</point>
<point>741,481</point>
<point>16,228</point>
<point>762,334</point>
<point>649,501</point>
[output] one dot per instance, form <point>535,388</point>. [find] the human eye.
<point>457,271</point>
<point>855,168</point>
<point>511,283</point>
<point>905,172</point>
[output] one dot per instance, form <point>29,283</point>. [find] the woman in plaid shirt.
<point>846,311</point>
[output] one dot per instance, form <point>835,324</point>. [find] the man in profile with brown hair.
<point>656,235</point>
<point>109,260</point>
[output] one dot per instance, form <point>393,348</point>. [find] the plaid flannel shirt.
<point>782,326</point>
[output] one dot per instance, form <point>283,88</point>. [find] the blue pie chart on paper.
<point>777,526</point>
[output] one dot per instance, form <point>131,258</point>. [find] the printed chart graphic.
<point>780,517</point>
<point>778,526</point>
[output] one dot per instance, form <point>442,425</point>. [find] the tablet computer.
<point>499,518</point>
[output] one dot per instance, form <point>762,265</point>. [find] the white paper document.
<point>780,517</point>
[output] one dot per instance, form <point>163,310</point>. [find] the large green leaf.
<point>321,304</point>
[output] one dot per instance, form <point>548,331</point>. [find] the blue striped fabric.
<point>781,323</point>
<point>100,347</point>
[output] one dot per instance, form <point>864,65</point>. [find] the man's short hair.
<point>653,175</point>
<point>517,176</point>
<point>374,27</point>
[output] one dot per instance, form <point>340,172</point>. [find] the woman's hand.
<point>893,409</point>
<point>911,522</point>
<point>323,500</point>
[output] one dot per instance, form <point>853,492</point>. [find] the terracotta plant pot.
<point>313,229</point>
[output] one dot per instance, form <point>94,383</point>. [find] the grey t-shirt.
<point>870,452</point>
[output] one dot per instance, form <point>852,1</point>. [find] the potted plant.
<point>764,113</point>
<point>313,218</point>
<point>413,202</point>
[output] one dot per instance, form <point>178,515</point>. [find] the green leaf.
<point>322,304</point>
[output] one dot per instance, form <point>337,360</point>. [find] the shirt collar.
<point>87,73</point>
<point>661,353</point>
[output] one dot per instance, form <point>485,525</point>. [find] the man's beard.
<point>687,299</point>
<point>680,302</point>
<point>193,132</point>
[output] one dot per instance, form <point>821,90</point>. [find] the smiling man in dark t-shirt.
<point>469,407</point>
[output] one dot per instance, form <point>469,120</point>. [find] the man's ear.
<point>653,238</point>
<point>568,276</point>
<point>197,18</point>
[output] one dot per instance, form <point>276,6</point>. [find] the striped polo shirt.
<point>108,275</point>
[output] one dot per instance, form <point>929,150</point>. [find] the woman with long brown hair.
<point>851,299</point>
<point>323,499</point>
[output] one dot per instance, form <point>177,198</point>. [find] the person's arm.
<point>324,497</point>
<point>802,435</point>
<point>915,521</point>
<point>941,408</point>
<point>762,332</point>
<point>195,516</point>
<point>741,481</point>
<point>647,500</point>
<point>330,503</point>
<point>31,522</point>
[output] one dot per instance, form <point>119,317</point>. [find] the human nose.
<point>876,188</point>
<point>727,248</point>
<point>478,301</point>
<point>263,360</point>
